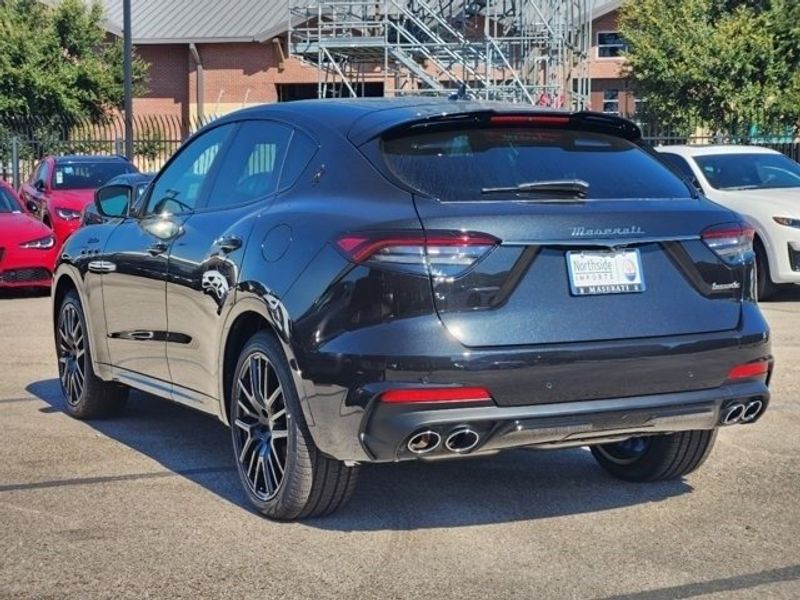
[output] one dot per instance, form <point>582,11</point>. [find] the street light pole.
<point>127,76</point>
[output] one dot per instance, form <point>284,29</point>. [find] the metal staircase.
<point>532,51</point>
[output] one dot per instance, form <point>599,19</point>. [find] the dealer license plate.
<point>605,272</point>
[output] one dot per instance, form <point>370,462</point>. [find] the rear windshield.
<point>87,175</point>
<point>749,171</point>
<point>458,165</point>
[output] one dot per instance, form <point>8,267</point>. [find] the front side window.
<point>86,175</point>
<point>252,164</point>
<point>179,186</point>
<point>749,171</point>
<point>469,165</point>
<point>610,44</point>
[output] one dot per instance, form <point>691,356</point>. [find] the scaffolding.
<point>532,51</point>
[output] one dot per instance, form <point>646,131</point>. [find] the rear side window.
<point>458,165</point>
<point>252,164</point>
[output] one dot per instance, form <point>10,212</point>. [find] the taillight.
<point>751,370</point>
<point>437,395</point>
<point>731,242</point>
<point>529,120</point>
<point>438,253</point>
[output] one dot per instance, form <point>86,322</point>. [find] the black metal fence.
<point>785,140</point>
<point>156,137</point>
<point>24,141</point>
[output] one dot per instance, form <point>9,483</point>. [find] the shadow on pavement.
<point>788,293</point>
<point>517,485</point>
<point>17,293</point>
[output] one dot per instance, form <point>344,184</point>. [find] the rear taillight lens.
<point>438,253</point>
<point>436,395</point>
<point>752,370</point>
<point>731,242</point>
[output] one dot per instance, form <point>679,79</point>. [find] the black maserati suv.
<point>348,282</point>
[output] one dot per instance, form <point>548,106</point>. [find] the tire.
<point>282,472</point>
<point>86,395</point>
<point>765,288</point>
<point>656,458</point>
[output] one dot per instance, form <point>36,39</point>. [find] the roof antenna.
<point>461,94</point>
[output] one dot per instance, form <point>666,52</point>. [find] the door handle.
<point>229,243</point>
<point>157,248</point>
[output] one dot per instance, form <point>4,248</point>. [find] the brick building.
<point>610,91</point>
<point>210,57</point>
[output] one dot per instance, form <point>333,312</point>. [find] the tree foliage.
<point>732,65</point>
<point>59,61</point>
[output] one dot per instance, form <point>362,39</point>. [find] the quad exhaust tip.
<point>462,440</point>
<point>424,442</point>
<point>752,410</point>
<point>742,413</point>
<point>733,414</point>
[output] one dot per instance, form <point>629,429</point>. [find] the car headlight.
<point>68,214</point>
<point>787,221</point>
<point>41,243</point>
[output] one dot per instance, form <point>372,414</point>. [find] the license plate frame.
<point>605,272</point>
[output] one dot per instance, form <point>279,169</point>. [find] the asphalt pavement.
<point>148,505</point>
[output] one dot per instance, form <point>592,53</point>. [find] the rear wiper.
<point>568,189</point>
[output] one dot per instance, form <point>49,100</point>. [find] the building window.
<point>610,44</point>
<point>288,92</point>
<point>639,106</point>
<point>611,101</point>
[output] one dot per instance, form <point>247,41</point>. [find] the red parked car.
<point>61,186</point>
<point>27,246</point>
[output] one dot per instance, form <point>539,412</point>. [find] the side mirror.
<point>696,183</point>
<point>112,201</point>
<point>32,207</point>
<point>39,185</point>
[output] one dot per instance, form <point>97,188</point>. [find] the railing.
<point>23,141</point>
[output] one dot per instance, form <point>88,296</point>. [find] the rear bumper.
<point>561,425</point>
<point>545,396</point>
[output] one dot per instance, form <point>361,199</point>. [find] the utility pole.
<point>127,76</point>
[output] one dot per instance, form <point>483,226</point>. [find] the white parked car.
<point>763,186</point>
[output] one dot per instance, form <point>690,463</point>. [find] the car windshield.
<point>87,175</point>
<point>8,203</point>
<point>528,164</point>
<point>749,171</point>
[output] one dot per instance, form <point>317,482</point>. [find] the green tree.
<point>731,65</point>
<point>59,62</point>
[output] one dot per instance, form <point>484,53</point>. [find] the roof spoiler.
<point>368,128</point>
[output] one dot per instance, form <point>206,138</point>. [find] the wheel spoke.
<point>253,456</point>
<point>246,393</point>
<point>246,410</point>
<point>274,396</point>
<point>273,455</point>
<point>277,415</point>
<point>280,434</point>
<point>245,447</point>
<point>269,472</point>
<point>256,381</point>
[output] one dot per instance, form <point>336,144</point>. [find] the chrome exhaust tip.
<point>423,442</point>
<point>752,410</point>
<point>733,414</point>
<point>462,440</point>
